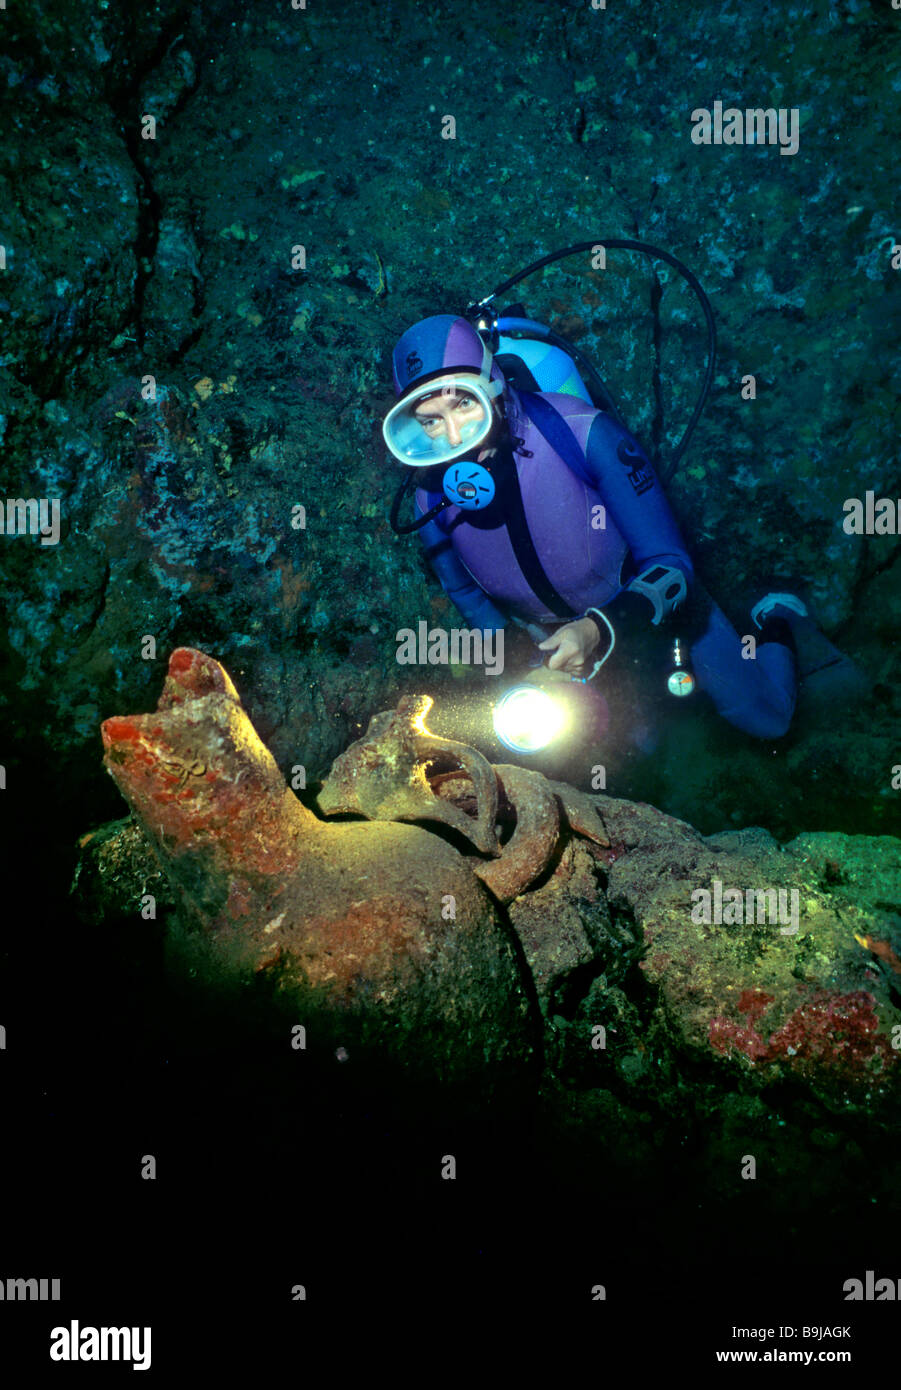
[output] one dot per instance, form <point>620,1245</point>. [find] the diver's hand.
<point>571,645</point>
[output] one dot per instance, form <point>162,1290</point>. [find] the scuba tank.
<point>482,316</point>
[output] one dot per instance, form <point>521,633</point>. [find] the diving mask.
<point>452,407</point>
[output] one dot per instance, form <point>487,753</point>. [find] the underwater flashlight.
<point>527,719</point>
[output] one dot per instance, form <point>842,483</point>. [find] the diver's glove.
<point>664,586</point>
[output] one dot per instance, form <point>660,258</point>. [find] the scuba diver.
<point>537,507</point>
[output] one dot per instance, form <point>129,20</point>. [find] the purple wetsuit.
<point>592,538</point>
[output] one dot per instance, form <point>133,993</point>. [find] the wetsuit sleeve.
<point>634,498</point>
<point>457,582</point>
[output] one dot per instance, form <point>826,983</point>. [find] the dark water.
<point>321,127</point>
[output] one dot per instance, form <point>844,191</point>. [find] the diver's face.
<point>446,414</point>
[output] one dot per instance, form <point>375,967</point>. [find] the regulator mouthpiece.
<point>469,485</point>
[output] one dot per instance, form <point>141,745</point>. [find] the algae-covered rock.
<point>650,950</point>
<point>376,938</point>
